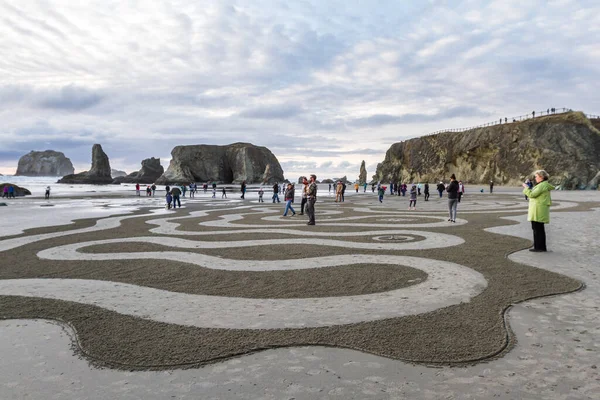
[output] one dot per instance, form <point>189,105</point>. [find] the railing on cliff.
<point>506,120</point>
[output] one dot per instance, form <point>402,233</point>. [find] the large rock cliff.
<point>232,163</point>
<point>44,163</point>
<point>99,173</point>
<point>150,172</point>
<point>567,146</point>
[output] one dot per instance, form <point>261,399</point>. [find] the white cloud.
<point>313,87</point>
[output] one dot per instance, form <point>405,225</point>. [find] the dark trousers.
<point>176,201</point>
<point>426,196</point>
<point>539,235</point>
<point>459,196</point>
<point>302,204</point>
<point>310,210</point>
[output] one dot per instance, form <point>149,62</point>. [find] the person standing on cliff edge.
<point>311,194</point>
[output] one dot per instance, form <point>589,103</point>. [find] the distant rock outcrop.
<point>44,163</point>
<point>566,145</point>
<point>362,176</point>
<point>115,173</point>
<point>99,174</point>
<point>150,172</point>
<point>19,191</point>
<point>232,163</point>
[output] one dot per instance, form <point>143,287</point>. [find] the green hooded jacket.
<point>539,202</point>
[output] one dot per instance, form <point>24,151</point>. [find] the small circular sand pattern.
<point>209,281</point>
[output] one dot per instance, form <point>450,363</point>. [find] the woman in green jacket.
<point>539,208</point>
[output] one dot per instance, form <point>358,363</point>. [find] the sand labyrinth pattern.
<point>211,280</point>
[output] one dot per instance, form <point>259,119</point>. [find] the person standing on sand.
<point>5,191</point>
<point>153,187</point>
<point>261,192</point>
<point>491,187</point>
<point>11,191</point>
<point>304,195</point>
<point>224,193</point>
<point>412,204</point>
<point>426,191</point>
<point>356,187</point>
<point>137,189</point>
<point>176,192</point>
<point>47,195</point>
<point>338,192</point>
<point>276,192</point>
<point>452,190</point>
<point>312,199</point>
<point>461,190</point>
<point>539,208</point>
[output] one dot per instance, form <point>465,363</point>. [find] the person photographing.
<point>539,208</point>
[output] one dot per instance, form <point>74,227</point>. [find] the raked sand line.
<point>447,284</point>
<point>70,251</point>
<point>101,224</point>
<point>226,221</point>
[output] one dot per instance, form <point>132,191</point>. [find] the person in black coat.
<point>452,190</point>
<point>441,188</point>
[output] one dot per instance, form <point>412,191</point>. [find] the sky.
<point>323,84</point>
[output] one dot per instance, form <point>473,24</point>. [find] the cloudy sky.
<point>323,84</point>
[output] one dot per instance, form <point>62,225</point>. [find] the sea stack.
<point>99,174</point>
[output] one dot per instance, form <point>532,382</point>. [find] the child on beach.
<point>260,195</point>
<point>214,196</point>
<point>381,192</point>
<point>412,205</point>
<point>169,200</point>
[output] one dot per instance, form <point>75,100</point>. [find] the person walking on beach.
<point>539,208</point>
<point>312,199</point>
<point>223,193</point>
<point>412,204</point>
<point>153,187</point>
<point>461,190</point>
<point>261,192</point>
<point>426,191</point>
<point>441,188</point>
<point>356,186</point>
<point>381,193</point>
<point>183,190</point>
<point>214,196</point>
<point>192,189</point>
<point>276,193</point>
<point>491,187</point>
<point>11,191</point>
<point>47,195</point>
<point>5,191</point>
<point>148,191</point>
<point>289,199</point>
<point>176,192</point>
<point>137,189</point>
<point>243,190</point>
<point>452,190</point>
<point>304,195</point>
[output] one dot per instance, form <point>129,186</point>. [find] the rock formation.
<point>269,174</point>
<point>566,145</point>
<point>44,163</point>
<point>232,163</point>
<point>150,172</point>
<point>99,173</point>
<point>115,173</point>
<point>362,176</point>
<point>19,191</point>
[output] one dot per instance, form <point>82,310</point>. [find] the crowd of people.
<point>537,194</point>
